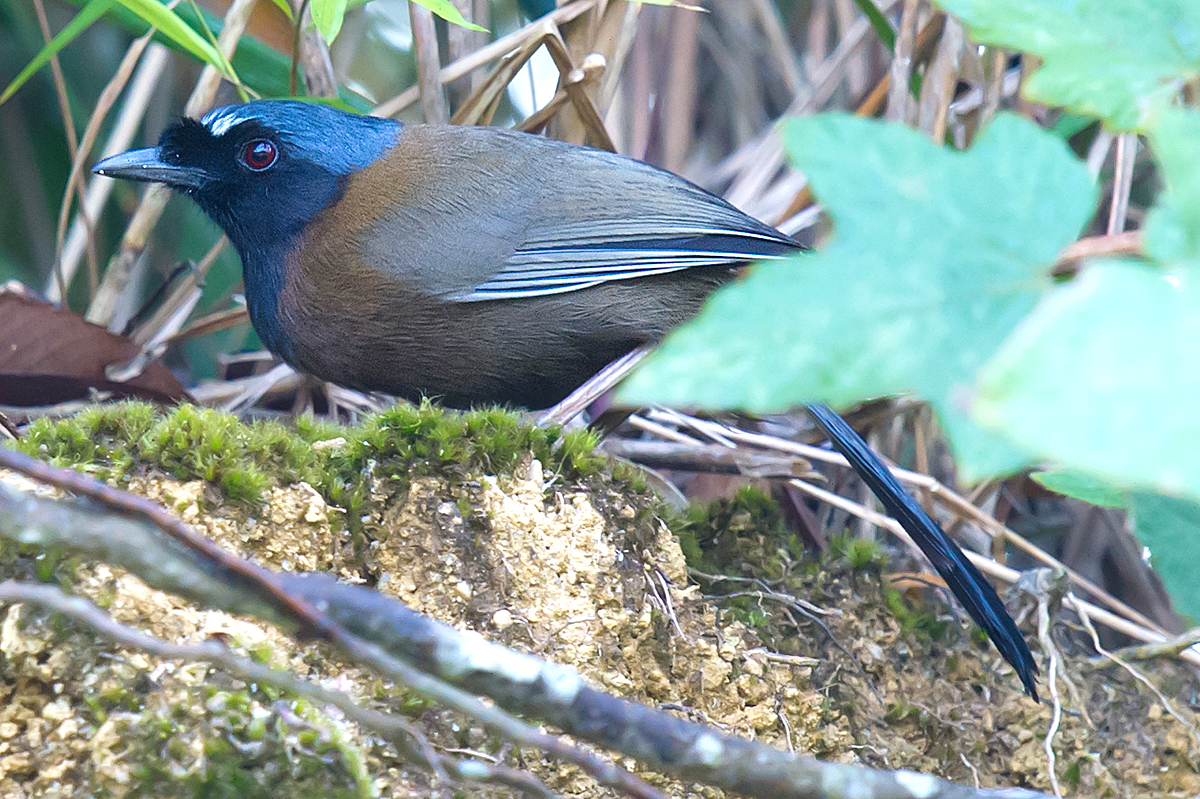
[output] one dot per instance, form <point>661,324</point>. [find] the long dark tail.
<point>975,593</point>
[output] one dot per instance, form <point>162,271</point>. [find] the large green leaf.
<point>1081,486</point>
<point>1105,58</point>
<point>1172,230</point>
<point>936,256</point>
<point>1104,376</point>
<point>1170,529</point>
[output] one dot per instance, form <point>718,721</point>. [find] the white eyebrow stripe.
<point>219,125</point>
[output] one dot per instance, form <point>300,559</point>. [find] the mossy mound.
<point>119,441</point>
<point>532,539</point>
<point>525,535</point>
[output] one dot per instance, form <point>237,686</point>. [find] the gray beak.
<point>145,165</point>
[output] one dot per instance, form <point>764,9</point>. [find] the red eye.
<point>259,154</point>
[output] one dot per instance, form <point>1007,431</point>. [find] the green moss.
<point>118,441</point>
<point>578,452</point>
<point>98,438</point>
<point>425,439</point>
<point>262,652</point>
<point>109,696</point>
<point>901,711</point>
<point>234,746</point>
<point>407,702</point>
<point>922,622</point>
<point>1073,776</point>
<point>745,535</point>
<point>867,560</point>
<point>860,553</point>
<point>197,443</point>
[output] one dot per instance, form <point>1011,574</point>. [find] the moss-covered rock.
<point>118,441</point>
<point>478,519</point>
<point>534,540</point>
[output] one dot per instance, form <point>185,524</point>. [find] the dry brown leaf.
<point>50,355</point>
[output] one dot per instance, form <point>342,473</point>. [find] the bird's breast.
<point>264,273</point>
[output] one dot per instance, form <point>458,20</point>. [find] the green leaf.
<point>883,28</point>
<point>1104,375</point>
<point>262,69</point>
<point>1172,230</point>
<point>170,25</point>
<point>283,6</point>
<point>328,15</point>
<point>446,10</point>
<point>1070,125</point>
<point>1170,529</point>
<point>1082,486</point>
<point>78,24</point>
<point>980,452</point>
<point>936,256</point>
<point>1107,58</point>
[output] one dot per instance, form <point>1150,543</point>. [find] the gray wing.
<point>545,218</point>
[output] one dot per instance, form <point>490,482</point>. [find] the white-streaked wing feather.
<point>532,273</point>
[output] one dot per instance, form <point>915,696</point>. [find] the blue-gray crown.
<point>339,141</point>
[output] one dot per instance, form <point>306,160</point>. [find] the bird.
<point>480,265</point>
<point>535,9</point>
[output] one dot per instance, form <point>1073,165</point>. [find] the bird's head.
<point>260,170</point>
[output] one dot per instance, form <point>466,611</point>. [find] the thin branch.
<point>1127,146</point>
<point>483,55</point>
<point>74,184</point>
<point>425,49</point>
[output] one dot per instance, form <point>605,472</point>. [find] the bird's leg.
<point>594,390</point>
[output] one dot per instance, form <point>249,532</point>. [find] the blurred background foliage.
<point>707,83</point>
<point>373,55</point>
